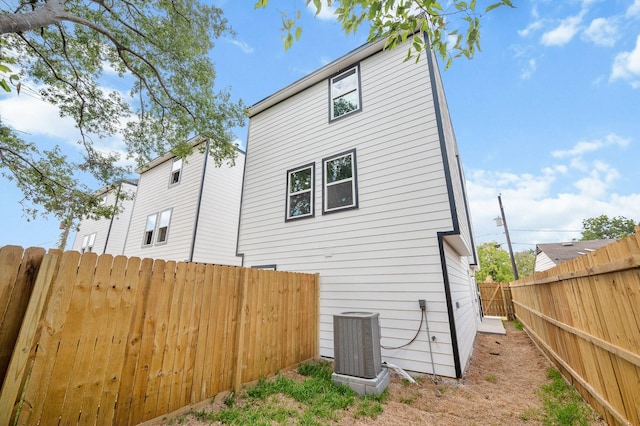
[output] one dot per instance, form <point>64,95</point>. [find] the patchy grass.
<point>563,405</point>
<point>518,325</point>
<point>281,400</point>
<point>491,378</point>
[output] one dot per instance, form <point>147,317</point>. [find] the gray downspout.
<point>195,225</point>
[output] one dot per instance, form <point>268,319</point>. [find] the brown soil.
<point>499,388</point>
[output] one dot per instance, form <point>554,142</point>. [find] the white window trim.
<point>176,166</point>
<point>358,90</point>
<point>88,241</point>
<point>159,227</point>
<point>353,179</point>
<point>311,190</point>
<point>152,230</point>
<point>155,231</point>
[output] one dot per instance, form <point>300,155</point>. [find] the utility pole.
<point>506,232</point>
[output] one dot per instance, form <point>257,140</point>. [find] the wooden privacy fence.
<point>585,315</point>
<point>496,299</point>
<point>116,340</point>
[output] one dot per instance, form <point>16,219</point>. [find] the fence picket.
<point>123,341</point>
<point>585,314</point>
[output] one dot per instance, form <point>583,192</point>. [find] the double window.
<point>340,189</point>
<point>156,230</point>
<point>300,194</point>
<point>87,243</point>
<point>344,93</point>
<point>176,171</point>
<point>339,186</point>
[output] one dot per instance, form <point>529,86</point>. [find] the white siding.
<point>384,256</point>
<point>114,230</point>
<point>218,224</point>
<point>543,262</point>
<point>464,300</point>
<point>155,195</point>
<point>120,223</point>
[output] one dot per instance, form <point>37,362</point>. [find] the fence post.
<point>316,351</point>
<point>19,364</point>
<point>242,318</point>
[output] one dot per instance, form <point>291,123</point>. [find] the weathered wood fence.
<point>585,315</point>
<point>496,299</point>
<point>116,340</point>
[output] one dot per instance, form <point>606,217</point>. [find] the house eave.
<point>317,76</point>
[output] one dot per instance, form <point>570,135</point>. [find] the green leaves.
<point>603,227</point>
<point>442,22</point>
<point>167,95</point>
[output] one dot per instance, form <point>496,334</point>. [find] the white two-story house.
<point>107,235</point>
<point>353,172</point>
<point>187,209</point>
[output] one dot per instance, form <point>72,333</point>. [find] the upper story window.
<point>300,183</point>
<point>87,243</point>
<point>340,188</point>
<point>344,90</point>
<point>176,171</point>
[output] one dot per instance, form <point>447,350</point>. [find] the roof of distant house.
<point>560,252</point>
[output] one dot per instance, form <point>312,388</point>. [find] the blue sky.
<point>547,114</point>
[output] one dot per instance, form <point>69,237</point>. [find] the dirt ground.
<point>498,388</point>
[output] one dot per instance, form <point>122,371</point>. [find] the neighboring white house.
<point>108,235</point>
<point>549,255</point>
<point>353,172</point>
<point>187,210</point>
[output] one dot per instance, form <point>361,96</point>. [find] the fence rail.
<point>116,340</point>
<point>585,315</point>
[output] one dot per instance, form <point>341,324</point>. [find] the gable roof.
<point>560,252</point>
<point>323,73</point>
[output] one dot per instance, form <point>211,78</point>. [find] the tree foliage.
<point>397,20</point>
<point>494,262</point>
<point>525,262</point>
<point>603,227</point>
<point>159,50</point>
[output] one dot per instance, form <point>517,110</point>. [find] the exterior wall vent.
<point>356,338</point>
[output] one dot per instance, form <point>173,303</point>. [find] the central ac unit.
<point>356,337</point>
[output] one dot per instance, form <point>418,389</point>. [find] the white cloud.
<point>626,66</point>
<point>634,9</point>
<point>584,147</point>
<point>327,13</point>
<point>28,113</point>
<point>532,208</point>
<point>531,28</point>
<point>602,31</point>
<point>529,70</point>
<point>243,46</point>
<point>564,32</point>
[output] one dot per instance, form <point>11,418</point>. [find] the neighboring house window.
<point>344,90</point>
<point>163,226</point>
<point>176,171</point>
<point>87,243</point>
<point>340,188</point>
<point>149,229</point>
<point>103,202</point>
<point>300,183</point>
<point>158,226</point>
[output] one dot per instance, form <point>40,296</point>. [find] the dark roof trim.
<point>317,76</point>
<point>452,206</point>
